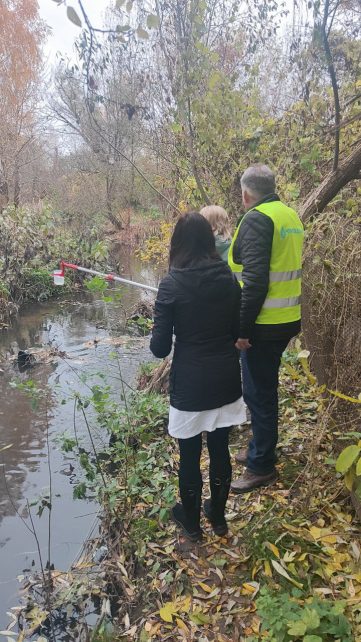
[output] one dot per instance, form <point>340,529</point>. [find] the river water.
<point>71,327</point>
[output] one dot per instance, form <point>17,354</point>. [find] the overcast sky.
<point>63,32</point>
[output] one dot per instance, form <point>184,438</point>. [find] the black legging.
<point>190,455</point>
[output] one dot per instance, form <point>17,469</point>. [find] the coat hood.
<point>207,279</point>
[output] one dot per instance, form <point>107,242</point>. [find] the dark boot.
<point>187,514</point>
<point>215,506</point>
<point>250,480</point>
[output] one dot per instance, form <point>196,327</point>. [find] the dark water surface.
<point>70,326</point>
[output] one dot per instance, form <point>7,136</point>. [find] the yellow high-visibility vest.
<point>283,300</point>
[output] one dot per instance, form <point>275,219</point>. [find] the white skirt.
<point>184,424</point>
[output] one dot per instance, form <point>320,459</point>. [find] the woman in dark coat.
<point>199,302</point>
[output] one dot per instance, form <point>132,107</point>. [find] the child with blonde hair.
<point>219,221</point>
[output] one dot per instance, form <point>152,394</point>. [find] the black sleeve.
<point>253,249</point>
<point>162,334</point>
<point>236,329</point>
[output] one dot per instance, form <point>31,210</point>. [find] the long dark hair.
<point>192,241</point>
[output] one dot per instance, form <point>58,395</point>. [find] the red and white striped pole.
<point>59,276</point>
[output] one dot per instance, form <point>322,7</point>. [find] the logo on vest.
<point>285,231</point>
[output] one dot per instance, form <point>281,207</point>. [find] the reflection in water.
<point>71,327</point>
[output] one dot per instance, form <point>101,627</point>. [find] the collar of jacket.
<point>266,199</point>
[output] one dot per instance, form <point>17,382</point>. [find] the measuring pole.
<point>59,276</point>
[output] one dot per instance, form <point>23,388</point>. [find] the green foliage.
<point>349,464</point>
<point>289,617</point>
<point>4,290</point>
<point>32,242</point>
<point>97,284</point>
<point>143,324</point>
<point>139,455</point>
<point>31,390</point>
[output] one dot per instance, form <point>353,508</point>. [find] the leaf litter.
<point>299,534</point>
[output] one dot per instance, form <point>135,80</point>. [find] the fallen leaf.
<point>284,573</point>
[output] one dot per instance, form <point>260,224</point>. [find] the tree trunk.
<point>109,193</point>
<point>16,184</point>
<point>4,187</point>
<point>349,169</point>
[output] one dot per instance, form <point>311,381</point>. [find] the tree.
<point>20,67</point>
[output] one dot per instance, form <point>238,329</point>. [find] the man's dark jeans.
<point>260,367</point>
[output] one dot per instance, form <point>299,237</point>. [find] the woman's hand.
<point>243,344</point>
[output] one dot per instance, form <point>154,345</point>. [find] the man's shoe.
<point>241,457</point>
<point>250,480</point>
<point>193,532</point>
<point>219,525</point>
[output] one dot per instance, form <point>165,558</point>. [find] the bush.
<point>33,241</point>
<point>287,618</point>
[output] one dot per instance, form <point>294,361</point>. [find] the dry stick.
<point>93,446</point>
<point>37,542</point>
<point>74,423</point>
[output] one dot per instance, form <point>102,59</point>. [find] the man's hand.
<point>243,344</point>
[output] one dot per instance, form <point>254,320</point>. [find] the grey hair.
<point>259,180</point>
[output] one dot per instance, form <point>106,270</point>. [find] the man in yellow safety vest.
<point>266,257</point>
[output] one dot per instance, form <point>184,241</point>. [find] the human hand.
<point>243,344</point>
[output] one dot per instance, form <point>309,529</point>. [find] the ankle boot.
<point>187,514</point>
<point>215,506</point>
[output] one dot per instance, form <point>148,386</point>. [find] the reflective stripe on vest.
<point>290,275</point>
<point>283,301</point>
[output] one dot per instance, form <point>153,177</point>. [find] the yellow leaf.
<point>273,548</point>
<point>350,476</point>
<point>255,569</point>
<point>267,569</point>
<point>340,395</point>
<point>205,587</point>
<point>291,370</point>
<point>277,566</point>
<point>329,539</point>
<point>315,532</point>
<point>358,468</point>
<point>167,612</point>
<point>250,587</point>
<point>181,625</point>
<point>186,604</point>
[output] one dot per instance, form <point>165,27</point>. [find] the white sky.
<point>63,32</point>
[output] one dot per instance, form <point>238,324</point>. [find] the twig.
<point>93,446</point>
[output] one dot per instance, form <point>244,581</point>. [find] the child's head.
<point>219,220</point>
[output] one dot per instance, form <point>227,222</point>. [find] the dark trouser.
<point>260,367</point>
<point>190,455</point>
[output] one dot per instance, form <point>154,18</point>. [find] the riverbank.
<point>288,570</point>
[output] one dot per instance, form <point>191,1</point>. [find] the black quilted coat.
<point>201,307</point>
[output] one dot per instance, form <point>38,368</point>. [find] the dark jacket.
<point>252,249</point>
<point>201,307</point>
